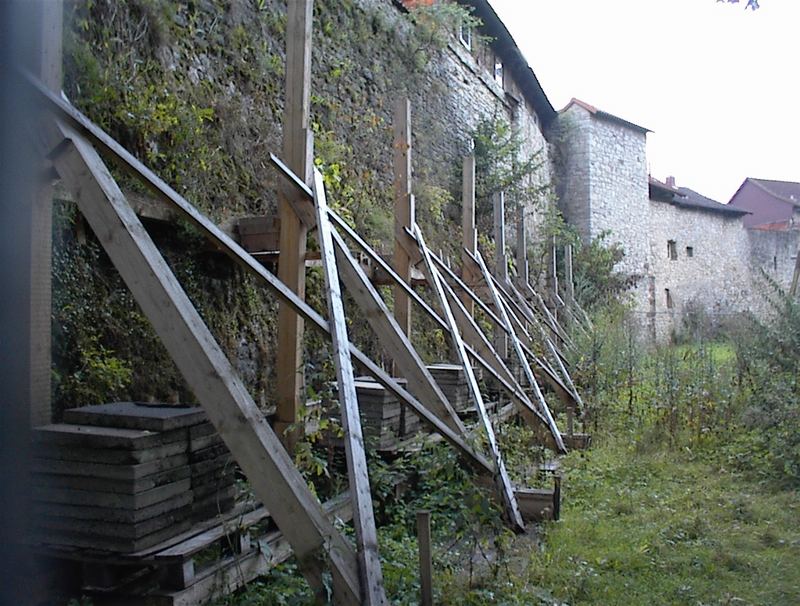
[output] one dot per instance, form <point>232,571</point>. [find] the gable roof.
<point>688,198</point>
<point>598,113</point>
<point>785,191</point>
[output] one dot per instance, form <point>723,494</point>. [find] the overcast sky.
<point>719,85</point>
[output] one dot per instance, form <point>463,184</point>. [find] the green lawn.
<point>653,528</point>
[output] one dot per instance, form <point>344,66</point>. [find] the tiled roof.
<point>787,191</point>
<point>688,198</point>
<point>598,113</point>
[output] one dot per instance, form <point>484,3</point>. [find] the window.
<point>498,72</point>
<point>668,296</point>
<point>465,35</point>
<point>690,251</point>
<point>672,250</point>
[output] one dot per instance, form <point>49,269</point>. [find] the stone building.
<point>694,256</point>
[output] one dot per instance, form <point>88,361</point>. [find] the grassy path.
<point>654,528</point>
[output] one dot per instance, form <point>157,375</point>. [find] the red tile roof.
<point>604,115</point>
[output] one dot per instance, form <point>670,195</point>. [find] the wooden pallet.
<point>177,572</point>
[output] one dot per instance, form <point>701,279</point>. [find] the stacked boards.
<point>453,383</point>
<point>125,476</point>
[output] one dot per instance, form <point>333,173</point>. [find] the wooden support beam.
<point>469,235</point>
<point>298,152</point>
<point>49,68</point>
<point>503,482</point>
<point>501,308</point>
<point>500,262</point>
<point>363,517</point>
<point>425,558</point>
<point>392,337</point>
<point>522,246</point>
<point>568,277</point>
<point>795,276</point>
<point>275,479</point>
<point>403,209</point>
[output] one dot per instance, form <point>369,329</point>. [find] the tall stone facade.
<point>694,256</point>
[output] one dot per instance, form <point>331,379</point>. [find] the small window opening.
<point>672,250</point>
<point>690,251</point>
<point>498,72</point>
<point>774,263</point>
<point>465,35</point>
<point>668,296</point>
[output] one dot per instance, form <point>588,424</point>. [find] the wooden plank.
<point>500,262</point>
<point>522,245</point>
<point>372,592</point>
<point>298,151</point>
<point>469,235</point>
<point>795,276</point>
<point>501,308</point>
<point>425,558</point>
<point>275,480</point>
<point>393,338</point>
<point>112,472</point>
<point>136,415</point>
<point>502,480</point>
<point>48,58</point>
<point>403,209</point>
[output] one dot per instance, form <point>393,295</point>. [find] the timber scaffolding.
<point>299,524</point>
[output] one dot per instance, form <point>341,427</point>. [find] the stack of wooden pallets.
<point>453,383</point>
<point>125,476</point>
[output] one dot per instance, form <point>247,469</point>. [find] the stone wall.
<point>711,271</point>
<point>195,90</point>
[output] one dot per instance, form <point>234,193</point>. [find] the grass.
<point>653,526</point>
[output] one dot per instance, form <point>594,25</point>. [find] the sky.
<point>719,85</point>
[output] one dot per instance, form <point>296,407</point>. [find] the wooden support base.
<point>577,441</point>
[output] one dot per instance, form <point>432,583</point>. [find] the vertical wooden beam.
<point>298,153</point>
<point>503,481</point>
<point>469,236</point>
<point>48,67</point>
<point>522,247</point>
<point>425,558</point>
<point>209,374</point>
<point>796,276</point>
<point>500,264</point>
<point>372,593</point>
<point>403,209</point>
<point>568,276</point>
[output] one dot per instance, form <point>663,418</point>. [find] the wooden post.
<point>568,276</point>
<point>796,276</point>
<point>468,233</point>
<point>201,361</point>
<point>522,247</point>
<point>425,558</point>
<point>49,61</point>
<point>372,593</point>
<point>298,153</point>
<point>403,210</point>
<point>500,264</point>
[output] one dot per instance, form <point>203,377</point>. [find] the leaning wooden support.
<point>501,308</point>
<point>394,339</point>
<point>505,488</point>
<point>363,518</point>
<point>227,245</point>
<point>275,479</point>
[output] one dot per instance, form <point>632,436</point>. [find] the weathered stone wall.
<point>195,90</point>
<point>572,136</point>
<point>716,279</point>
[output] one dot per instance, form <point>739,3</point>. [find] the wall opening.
<point>465,35</point>
<point>672,250</point>
<point>690,251</point>
<point>668,299</point>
